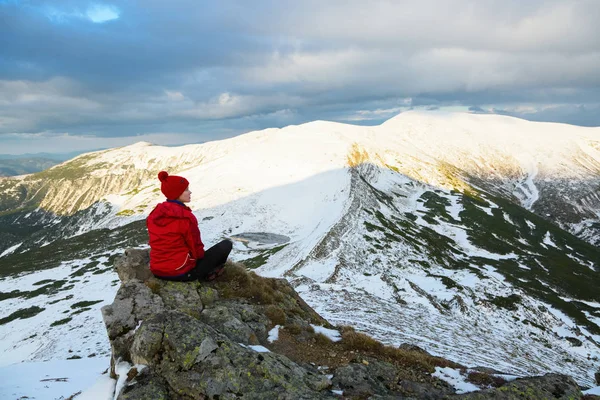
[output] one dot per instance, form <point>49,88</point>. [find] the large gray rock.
<point>549,386</point>
<point>358,379</point>
<point>425,390</point>
<point>195,352</point>
<point>240,322</point>
<point>196,359</point>
<point>135,264</point>
<point>133,303</point>
<point>375,379</point>
<point>412,347</point>
<point>208,295</point>
<point>147,385</point>
<point>181,296</point>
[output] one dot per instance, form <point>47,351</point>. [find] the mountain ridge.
<point>469,272</point>
<point>412,143</point>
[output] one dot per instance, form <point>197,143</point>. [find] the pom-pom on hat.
<point>172,186</point>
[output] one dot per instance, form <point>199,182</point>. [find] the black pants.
<point>213,259</point>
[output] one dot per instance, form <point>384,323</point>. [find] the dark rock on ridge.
<point>549,386</point>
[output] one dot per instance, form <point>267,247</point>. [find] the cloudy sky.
<point>78,75</point>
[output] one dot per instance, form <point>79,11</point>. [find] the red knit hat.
<point>172,186</point>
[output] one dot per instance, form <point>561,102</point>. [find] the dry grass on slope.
<point>299,341</point>
<point>281,300</point>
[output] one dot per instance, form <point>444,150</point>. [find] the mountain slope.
<point>375,226</point>
<point>550,169</point>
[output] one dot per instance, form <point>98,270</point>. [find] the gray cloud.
<point>569,114</point>
<point>230,66</point>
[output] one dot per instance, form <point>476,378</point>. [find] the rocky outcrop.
<point>217,340</point>
<point>195,344</point>
<point>550,386</point>
<point>195,359</point>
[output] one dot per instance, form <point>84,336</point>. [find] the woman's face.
<point>186,196</point>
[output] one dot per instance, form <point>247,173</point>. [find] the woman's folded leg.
<point>213,258</point>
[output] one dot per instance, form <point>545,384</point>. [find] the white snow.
<point>433,286</point>
<point>102,389</point>
<point>53,379</point>
<point>121,369</point>
<point>454,378</point>
<point>374,285</point>
<point>319,270</point>
<point>10,249</point>
<point>259,349</point>
<point>548,240</point>
<point>466,278</point>
<point>487,210</point>
<point>274,334</point>
<point>455,207</point>
<point>594,390</point>
<point>460,236</point>
<point>530,224</point>
<point>330,333</point>
<point>34,339</point>
<point>530,191</point>
<point>589,303</point>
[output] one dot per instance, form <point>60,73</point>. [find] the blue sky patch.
<point>99,13</point>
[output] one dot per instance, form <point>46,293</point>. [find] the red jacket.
<point>175,242</point>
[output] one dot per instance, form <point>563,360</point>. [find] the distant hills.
<point>22,166</point>
<point>30,163</point>
<point>50,156</point>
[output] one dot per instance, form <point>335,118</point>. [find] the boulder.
<point>366,379</point>
<point>549,386</point>
<point>425,390</point>
<point>194,358</point>
<point>240,322</point>
<point>208,295</point>
<point>133,303</point>
<point>196,344</point>
<point>135,264</point>
<point>412,347</point>
<point>375,379</point>
<point>147,385</point>
<point>181,296</point>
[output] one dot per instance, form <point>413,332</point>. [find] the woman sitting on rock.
<point>176,249</point>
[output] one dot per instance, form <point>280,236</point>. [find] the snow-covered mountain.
<point>550,169</point>
<point>442,230</point>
